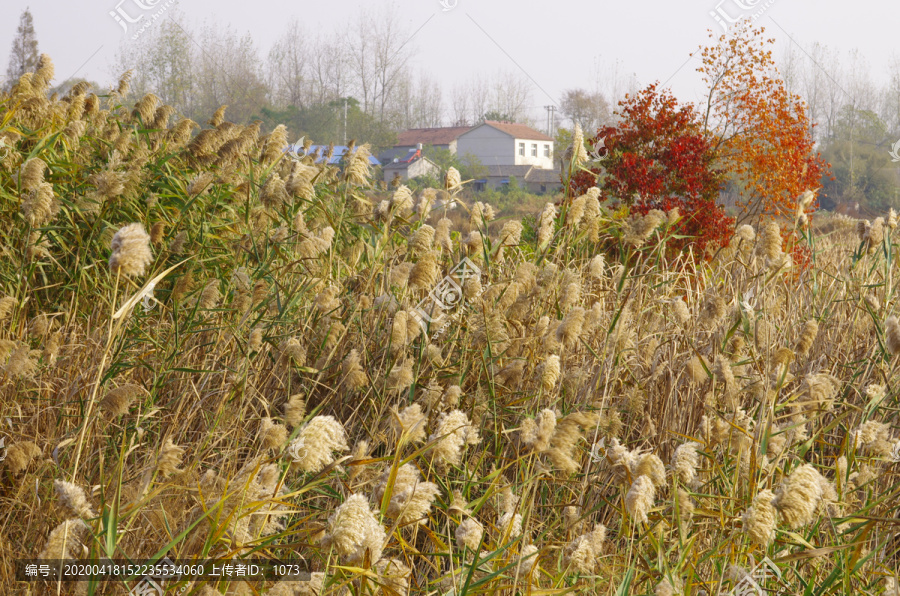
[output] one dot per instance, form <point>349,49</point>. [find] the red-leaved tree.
<point>657,157</point>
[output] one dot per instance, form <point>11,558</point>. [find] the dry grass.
<point>596,419</point>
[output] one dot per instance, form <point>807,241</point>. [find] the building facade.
<point>417,165</point>
<point>506,144</point>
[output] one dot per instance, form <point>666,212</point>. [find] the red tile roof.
<point>430,136</point>
<point>519,131</point>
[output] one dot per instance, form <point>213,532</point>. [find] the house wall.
<point>422,168</point>
<point>495,147</point>
<point>489,145</point>
<point>540,161</point>
<point>545,187</point>
<point>389,173</point>
<point>496,182</point>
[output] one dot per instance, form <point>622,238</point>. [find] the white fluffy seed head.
<point>130,250</point>
<point>639,499</point>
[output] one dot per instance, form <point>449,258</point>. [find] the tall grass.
<point>597,417</point>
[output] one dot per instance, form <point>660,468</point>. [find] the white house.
<point>410,166</point>
<point>507,144</point>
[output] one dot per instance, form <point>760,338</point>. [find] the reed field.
<point>212,349</point>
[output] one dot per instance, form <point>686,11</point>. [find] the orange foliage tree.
<point>760,131</point>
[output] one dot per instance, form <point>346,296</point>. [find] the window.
<point>534,150</point>
<point>522,149</point>
<point>546,150</point>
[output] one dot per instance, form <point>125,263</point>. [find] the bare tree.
<point>162,62</point>
<point>379,50</point>
<point>430,101</point>
<point>288,64</point>
<point>360,61</point>
<point>197,78</point>
<point>859,85</point>
<point>812,86</point>
<point>891,96</point>
<point>504,94</point>
<point>613,82</point>
<point>588,109</point>
<point>833,83</point>
<point>228,72</point>
<point>329,63</point>
<point>418,102</point>
<point>833,96</point>
<point>459,103</point>
<point>391,52</point>
<point>791,70</point>
<point>479,98</point>
<point>511,95</point>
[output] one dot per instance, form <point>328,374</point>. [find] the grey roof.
<point>388,155</point>
<point>495,171</point>
<point>541,176</point>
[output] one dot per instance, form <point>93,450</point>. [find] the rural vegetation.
<point>213,349</point>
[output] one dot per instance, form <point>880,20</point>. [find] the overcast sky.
<point>558,44</point>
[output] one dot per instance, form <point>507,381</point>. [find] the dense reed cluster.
<point>211,348</point>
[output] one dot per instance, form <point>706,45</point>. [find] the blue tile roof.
<point>339,151</point>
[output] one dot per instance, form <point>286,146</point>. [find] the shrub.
<point>657,157</point>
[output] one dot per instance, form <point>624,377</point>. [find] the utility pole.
<point>345,122</point>
<point>550,111</point>
<point>852,122</point>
